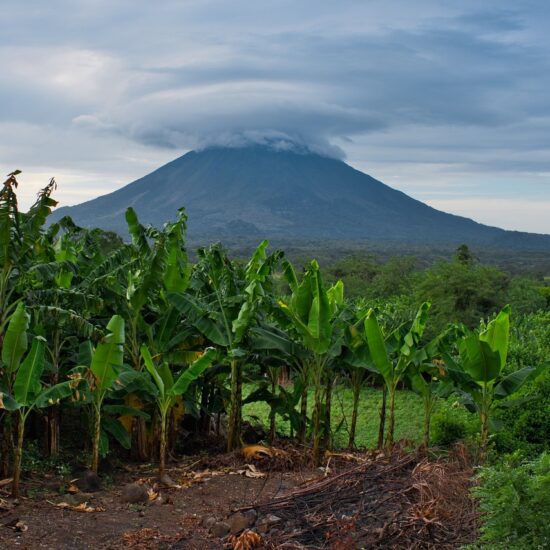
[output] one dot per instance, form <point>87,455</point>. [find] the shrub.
<point>527,427</point>
<point>515,499</point>
<point>448,427</point>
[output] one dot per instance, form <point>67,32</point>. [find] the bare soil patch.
<point>358,501</point>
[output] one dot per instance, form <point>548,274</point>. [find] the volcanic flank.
<point>260,192</point>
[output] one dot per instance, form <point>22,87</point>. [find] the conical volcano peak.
<point>274,141</point>
<point>271,190</point>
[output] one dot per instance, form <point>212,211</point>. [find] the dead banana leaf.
<point>17,525</point>
<point>252,472</point>
<point>152,495</point>
<point>247,540</point>
<point>79,508</point>
<point>257,452</point>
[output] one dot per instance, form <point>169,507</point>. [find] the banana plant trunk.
<point>327,436</point>
<point>353,427</point>
<point>317,436</point>
<point>6,445</point>
<point>484,433</point>
<point>17,457</point>
<point>272,426</point>
<point>382,414</point>
<point>303,416</point>
<point>162,451</point>
<point>234,428</point>
<point>53,430</point>
<point>429,403</point>
<point>391,419</point>
<point>96,436</point>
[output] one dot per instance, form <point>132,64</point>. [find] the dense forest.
<point>133,352</point>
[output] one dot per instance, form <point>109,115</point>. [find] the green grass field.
<point>408,416</point>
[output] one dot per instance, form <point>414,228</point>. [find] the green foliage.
<point>515,499</point>
<point>452,423</point>
<point>527,427</point>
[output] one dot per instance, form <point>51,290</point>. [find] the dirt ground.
<point>403,500</point>
<point>174,519</point>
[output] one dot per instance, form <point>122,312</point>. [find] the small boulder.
<point>88,482</point>
<point>251,516</point>
<point>134,493</point>
<point>220,529</point>
<point>265,523</point>
<point>238,522</point>
<point>208,521</point>
<point>76,499</point>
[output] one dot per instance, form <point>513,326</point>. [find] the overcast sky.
<point>446,101</point>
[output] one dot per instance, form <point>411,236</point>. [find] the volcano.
<point>260,192</point>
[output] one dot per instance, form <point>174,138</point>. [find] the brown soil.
<point>173,520</point>
<point>361,501</point>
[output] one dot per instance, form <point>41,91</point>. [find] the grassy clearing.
<point>408,416</point>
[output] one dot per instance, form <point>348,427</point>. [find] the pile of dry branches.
<point>402,501</point>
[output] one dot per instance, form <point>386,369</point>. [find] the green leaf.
<point>192,372</point>
<point>117,430</point>
<point>137,232</point>
<point>15,340</point>
<point>513,382</point>
<point>85,353</point>
<point>8,403</point>
<point>125,410</point>
<point>27,382</point>
<point>497,335</point>
<point>150,366</point>
<point>198,316</point>
<point>109,354</point>
<point>54,395</point>
<point>377,346</point>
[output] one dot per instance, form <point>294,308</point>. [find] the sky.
<point>447,101</point>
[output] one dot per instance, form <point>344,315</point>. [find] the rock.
<point>134,493</point>
<point>208,522</point>
<point>168,481</point>
<point>264,524</point>
<point>238,522</point>
<point>88,482</point>
<point>220,529</point>
<point>251,516</point>
<point>76,499</point>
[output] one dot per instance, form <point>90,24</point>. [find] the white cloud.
<point>439,99</point>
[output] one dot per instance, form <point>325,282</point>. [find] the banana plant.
<point>169,390</point>
<point>27,391</point>
<point>106,361</point>
<point>315,313</point>
<point>357,362</point>
<point>222,304</point>
<point>478,371</point>
<point>428,376</point>
<point>392,354</point>
<point>281,342</point>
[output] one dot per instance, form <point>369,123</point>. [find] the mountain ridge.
<point>257,191</point>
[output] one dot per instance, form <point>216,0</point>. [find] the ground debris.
<point>402,501</point>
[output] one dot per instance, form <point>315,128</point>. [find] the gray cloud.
<point>387,83</point>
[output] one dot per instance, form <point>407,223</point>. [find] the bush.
<point>451,424</point>
<point>527,427</point>
<point>515,500</point>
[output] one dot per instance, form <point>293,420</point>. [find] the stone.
<point>208,521</point>
<point>265,523</point>
<point>134,493</point>
<point>76,499</point>
<point>220,529</point>
<point>238,522</point>
<point>251,516</point>
<point>88,482</point>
